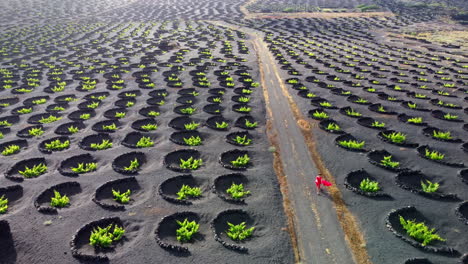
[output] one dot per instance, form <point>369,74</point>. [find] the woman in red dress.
<point>319,181</point>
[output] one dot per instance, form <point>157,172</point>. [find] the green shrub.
<point>145,142</point>
<point>434,155</point>
<point>367,185</point>
<point>10,150</point>
<point>387,162</point>
<point>134,165</point>
<point>186,230</point>
<point>429,187</point>
<point>3,204</point>
<point>188,192</point>
<point>353,144</point>
<point>239,232</point>
<point>85,116</point>
<point>85,167</point>
<point>191,163</point>
<point>191,126</point>
<point>241,161</point>
<point>50,119</point>
<point>419,231</point>
<point>149,127</point>
<point>57,145</point>
<point>395,137</point>
<point>59,200</point>
<point>442,134</point>
<point>35,171</point>
<point>193,141</point>
<point>237,191</point>
<point>122,198</point>
<point>103,237</point>
<point>105,144</point>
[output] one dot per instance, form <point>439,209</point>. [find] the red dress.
<point>319,181</point>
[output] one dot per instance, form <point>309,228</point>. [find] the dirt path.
<point>317,227</point>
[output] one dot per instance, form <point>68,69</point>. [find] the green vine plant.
<point>351,112</point>
<point>57,145</point>
<point>104,237</point>
<point>120,114</point>
<point>353,144</point>
<point>111,127</point>
<point>59,200</point>
<point>50,119</point>
<point>121,197</point>
<point>449,116</point>
<point>36,131</point>
<point>333,127</point>
<point>243,140</point>
<point>237,191</point>
<point>73,129</point>
<point>5,123</point>
<point>188,110</point>
<point>35,171</point>
<point>368,185</point>
<point>187,192</point>
<point>442,135</point>
<point>193,141</point>
<point>25,110</point>
<point>10,150</point>
<point>429,187</point>
<point>395,137</point>
<point>149,127</point>
<point>191,126</point>
<point>145,142</point>
<point>320,115</point>
<point>415,120</point>
<point>241,161</point>
<point>191,163</point>
<point>3,204</point>
<point>387,162</point>
<point>105,144</point>
<point>85,167</point>
<point>433,155</point>
<point>134,165</point>
<point>419,231</point>
<point>239,232</point>
<point>221,125</point>
<point>378,124</point>
<point>153,113</point>
<point>187,229</point>
<point>250,124</point>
